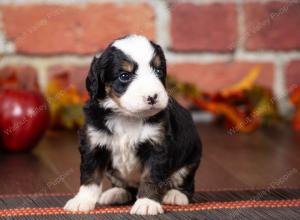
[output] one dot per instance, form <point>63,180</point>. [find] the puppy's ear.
<point>94,81</point>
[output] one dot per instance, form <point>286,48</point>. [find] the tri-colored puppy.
<point>134,133</point>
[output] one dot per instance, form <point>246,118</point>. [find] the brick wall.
<point>212,43</point>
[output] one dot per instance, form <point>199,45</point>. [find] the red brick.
<point>26,77</point>
<point>83,29</point>
<point>216,76</point>
<point>69,75</point>
<point>210,27</point>
<point>273,25</point>
<point>293,75</point>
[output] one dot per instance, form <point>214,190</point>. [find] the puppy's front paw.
<point>175,197</point>
<point>79,204</point>
<point>114,195</point>
<point>146,206</point>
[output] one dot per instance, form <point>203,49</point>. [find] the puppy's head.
<point>129,77</point>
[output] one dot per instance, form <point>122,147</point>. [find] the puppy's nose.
<point>152,99</point>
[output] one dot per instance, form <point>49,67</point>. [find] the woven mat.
<point>246,204</point>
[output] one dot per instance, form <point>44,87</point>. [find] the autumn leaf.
<point>65,105</point>
<point>244,105</point>
<point>245,84</point>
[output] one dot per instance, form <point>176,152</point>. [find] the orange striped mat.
<point>249,204</point>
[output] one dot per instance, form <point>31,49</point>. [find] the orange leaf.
<point>295,96</point>
<point>239,120</point>
<point>246,83</point>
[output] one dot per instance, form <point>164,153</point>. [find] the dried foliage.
<point>242,107</point>
<point>65,105</point>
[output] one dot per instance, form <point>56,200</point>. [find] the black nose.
<point>152,99</point>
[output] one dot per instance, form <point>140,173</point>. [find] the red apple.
<point>24,117</point>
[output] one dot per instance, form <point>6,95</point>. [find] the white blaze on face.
<point>145,83</point>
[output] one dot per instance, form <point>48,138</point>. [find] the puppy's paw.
<point>86,198</point>
<point>146,206</point>
<point>114,195</point>
<point>80,204</point>
<point>175,197</point>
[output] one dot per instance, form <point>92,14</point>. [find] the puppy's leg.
<point>115,195</point>
<point>149,197</point>
<point>92,166</point>
<point>182,182</point>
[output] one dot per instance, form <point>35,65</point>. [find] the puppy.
<point>134,133</point>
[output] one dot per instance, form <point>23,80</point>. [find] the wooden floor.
<point>263,159</point>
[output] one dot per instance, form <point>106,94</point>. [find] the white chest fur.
<point>127,133</point>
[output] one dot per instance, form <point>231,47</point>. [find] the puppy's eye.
<point>158,72</point>
<point>124,77</point>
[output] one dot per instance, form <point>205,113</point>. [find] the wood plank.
<point>260,159</point>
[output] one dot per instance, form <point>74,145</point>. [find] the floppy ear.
<point>94,81</point>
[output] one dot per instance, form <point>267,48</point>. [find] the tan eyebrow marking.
<point>156,61</point>
<point>127,66</point>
